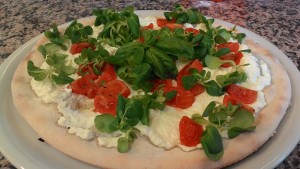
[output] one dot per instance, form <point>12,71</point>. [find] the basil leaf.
<point>211,141</point>
<point>134,25</point>
<point>162,64</point>
<point>175,46</point>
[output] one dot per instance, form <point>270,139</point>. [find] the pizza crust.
<point>43,118</point>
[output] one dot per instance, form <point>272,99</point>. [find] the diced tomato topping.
<point>236,57</point>
<point>192,30</point>
<point>107,96</point>
<point>108,74</point>
<point>162,22</point>
<point>196,64</point>
<point>141,39</point>
<point>105,104</point>
<point>244,95</point>
<point>87,70</point>
<point>190,132</point>
<point>227,99</point>
<point>150,26</point>
<point>78,47</point>
<point>233,46</point>
<point>158,82</point>
<point>114,88</point>
<point>173,26</point>
<point>183,99</point>
<point>83,85</point>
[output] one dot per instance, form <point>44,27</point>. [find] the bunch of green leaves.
<point>58,72</point>
<point>212,87</point>
<point>92,57</point>
<point>76,32</point>
<point>182,15</point>
<point>205,42</point>
<point>55,37</point>
<point>129,113</point>
<point>138,62</point>
<point>119,27</point>
<point>230,118</point>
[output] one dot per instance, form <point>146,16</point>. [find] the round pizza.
<point>121,91</point>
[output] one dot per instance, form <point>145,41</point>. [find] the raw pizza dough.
<point>43,118</point>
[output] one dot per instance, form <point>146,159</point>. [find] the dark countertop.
<point>276,20</point>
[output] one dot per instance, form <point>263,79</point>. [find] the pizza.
<point>180,91</point>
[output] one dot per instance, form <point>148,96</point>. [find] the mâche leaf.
<point>211,141</point>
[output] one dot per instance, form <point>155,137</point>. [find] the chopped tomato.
<point>162,22</point>
<point>190,132</point>
<point>244,95</point>
<point>233,101</point>
<point>236,57</point>
<point>141,39</point>
<point>183,99</point>
<point>196,64</point>
<point>173,26</point>
<point>233,46</point>
<point>114,88</point>
<point>83,85</point>
<point>108,74</point>
<point>158,82</point>
<point>78,47</point>
<point>105,104</point>
<point>192,30</point>
<point>150,26</point>
<point>87,70</point>
<point>107,96</point>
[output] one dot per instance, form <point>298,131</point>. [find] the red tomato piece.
<point>244,95</point>
<point>197,89</point>
<point>172,26</point>
<point>192,30</point>
<point>233,101</point>
<point>183,99</point>
<point>105,104</point>
<point>157,82</point>
<point>78,47</point>
<point>87,70</point>
<point>233,46</point>
<point>150,26</point>
<point>236,57</point>
<point>190,132</point>
<point>162,22</point>
<point>114,88</point>
<point>108,74</point>
<point>83,85</point>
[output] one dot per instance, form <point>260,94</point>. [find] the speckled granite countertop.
<point>276,20</point>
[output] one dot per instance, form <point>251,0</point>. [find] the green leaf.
<point>241,121</point>
<point>61,79</point>
<point>175,46</point>
<point>120,109</point>
<point>123,145</point>
<point>222,52</point>
<point>162,64</point>
<point>209,109</point>
<point>213,62</point>
<point>200,120</point>
<point>211,141</point>
<point>239,37</point>
<point>134,25</point>
<point>231,78</point>
<point>189,81</point>
<point>171,94</point>
<point>103,122</point>
<point>213,89</point>
<point>37,73</point>
<point>54,37</point>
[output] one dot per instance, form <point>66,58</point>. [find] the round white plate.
<point>20,145</point>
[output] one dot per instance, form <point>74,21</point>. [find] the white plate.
<point>19,144</point>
